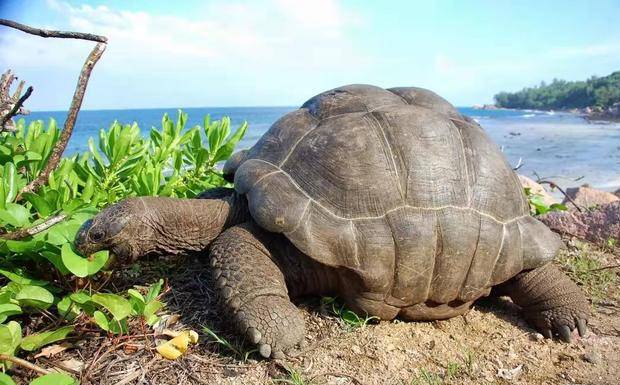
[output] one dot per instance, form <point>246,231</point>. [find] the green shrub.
<point>40,270</point>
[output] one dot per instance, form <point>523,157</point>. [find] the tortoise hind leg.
<point>253,291</point>
<point>551,302</point>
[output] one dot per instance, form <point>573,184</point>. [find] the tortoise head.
<point>121,228</point>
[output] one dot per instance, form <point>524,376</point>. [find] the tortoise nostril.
<point>81,237</point>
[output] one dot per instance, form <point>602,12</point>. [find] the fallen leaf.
<point>73,364</point>
<point>52,350</point>
<point>510,374</point>
<point>174,348</point>
<point>164,322</point>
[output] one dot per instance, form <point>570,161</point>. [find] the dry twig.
<point>78,96</point>
<point>49,33</point>
<point>25,233</point>
<point>24,363</point>
<point>11,106</point>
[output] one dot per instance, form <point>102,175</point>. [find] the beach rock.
<point>587,197</point>
<point>611,113</point>
<point>596,225</point>
<point>617,193</point>
<point>536,188</point>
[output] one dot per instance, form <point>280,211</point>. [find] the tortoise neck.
<point>237,210</point>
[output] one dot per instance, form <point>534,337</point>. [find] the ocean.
<point>557,146</point>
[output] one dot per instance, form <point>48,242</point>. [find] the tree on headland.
<point>600,92</point>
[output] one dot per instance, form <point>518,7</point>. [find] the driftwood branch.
<point>78,95</point>
<point>58,34</point>
<point>29,232</point>
<point>76,103</point>
<point>11,106</point>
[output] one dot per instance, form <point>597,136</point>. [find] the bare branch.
<point>11,106</point>
<point>25,233</point>
<point>76,103</point>
<point>49,33</point>
<point>554,185</point>
<point>24,363</point>
<point>17,109</point>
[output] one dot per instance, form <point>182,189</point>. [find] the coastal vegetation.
<point>596,92</point>
<point>42,275</point>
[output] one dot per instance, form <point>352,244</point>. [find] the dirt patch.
<point>491,344</point>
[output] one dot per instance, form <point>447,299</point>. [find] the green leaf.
<point>83,267</point>
<point>38,340</point>
<point>119,307</point>
<point>9,309</point>
<point>101,320</point>
<point>149,312</point>
<point>34,296</point>
<point>55,379</point>
<point>67,309</point>
<point>10,338</point>
<point>154,291</point>
<point>21,279</point>
<point>39,203</point>
<point>15,215</point>
<point>5,379</point>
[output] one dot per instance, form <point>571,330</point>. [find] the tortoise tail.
<point>539,244</point>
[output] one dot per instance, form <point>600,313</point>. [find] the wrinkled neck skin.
<point>179,226</point>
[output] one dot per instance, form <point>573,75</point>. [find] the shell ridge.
<point>473,256</point>
<point>294,147</point>
<point>389,150</point>
<point>392,209</point>
<point>465,163</point>
<point>499,253</point>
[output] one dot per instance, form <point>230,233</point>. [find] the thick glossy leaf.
<point>5,379</point>
<point>10,337</point>
<point>83,267</point>
<point>118,306</point>
<point>20,278</point>
<point>55,379</point>
<point>154,291</point>
<point>9,309</point>
<point>149,312</point>
<point>15,215</point>
<point>39,203</point>
<point>101,320</point>
<point>37,340</point>
<point>34,296</point>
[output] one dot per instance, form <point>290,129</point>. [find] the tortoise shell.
<point>398,187</point>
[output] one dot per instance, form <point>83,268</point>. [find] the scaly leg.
<point>253,290</point>
<point>551,302</point>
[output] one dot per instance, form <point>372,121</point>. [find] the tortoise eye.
<point>96,235</point>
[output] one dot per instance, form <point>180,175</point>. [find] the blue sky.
<point>281,52</point>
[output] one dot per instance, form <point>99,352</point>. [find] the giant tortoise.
<point>389,199</point>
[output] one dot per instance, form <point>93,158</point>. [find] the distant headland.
<point>597,98</point>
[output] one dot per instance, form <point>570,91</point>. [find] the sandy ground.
<point>491,344</point>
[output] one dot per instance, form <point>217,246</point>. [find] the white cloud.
<point>282,33</point>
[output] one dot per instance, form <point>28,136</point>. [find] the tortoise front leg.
<point>253,290</point>
<point>551,301</point>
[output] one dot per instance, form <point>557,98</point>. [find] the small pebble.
<point>537,337</point>
<point>592,357</point>
<point>356,349</point>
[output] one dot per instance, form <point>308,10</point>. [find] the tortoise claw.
<point>265,350</point>
<point>565,333</point>
<point>547,333</point>
<point>582,327</point>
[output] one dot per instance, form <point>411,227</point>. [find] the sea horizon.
<point>558,145</point>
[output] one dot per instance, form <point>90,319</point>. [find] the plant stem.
<point>24,363</point>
